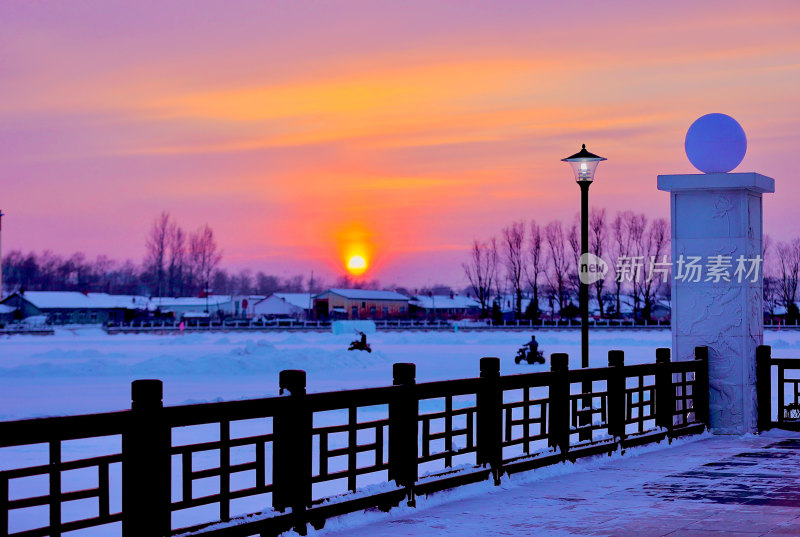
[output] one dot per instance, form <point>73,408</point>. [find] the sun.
<point>356,265</point>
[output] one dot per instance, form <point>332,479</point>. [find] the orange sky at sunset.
<point>307,132</point>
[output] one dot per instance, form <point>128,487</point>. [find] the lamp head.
<point>583,164</point>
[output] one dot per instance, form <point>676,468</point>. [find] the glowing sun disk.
<point>356,264</point>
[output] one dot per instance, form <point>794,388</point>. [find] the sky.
<point>303,132</point>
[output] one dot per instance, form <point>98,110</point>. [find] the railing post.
<point>616,395</point>
<point>701,412</point>
<point>489,401</point>
<point>291,449</point>
<point>558,436</point>
<point>403,429</point>
<point>764,386</point>
<point>146,464</point>
<point>665,391</point>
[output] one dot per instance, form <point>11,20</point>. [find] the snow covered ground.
<point>85,370</point>
<point>706,486</point>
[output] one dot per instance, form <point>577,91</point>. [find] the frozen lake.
<point>86,370</point>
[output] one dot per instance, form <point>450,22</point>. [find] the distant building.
<point>71,307</point>
<point>295,305</point>
<point>216,305</point>
<point>360,304</point>
<point>444,306</point>
<point>244,305</point>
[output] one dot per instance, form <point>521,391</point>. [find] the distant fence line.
<point>294,324</point>
<point>160,326</point>
<point>441,325</point>
<point>499,424</point>
<point>29,330</point>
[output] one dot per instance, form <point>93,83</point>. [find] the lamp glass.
<point>584,169</point>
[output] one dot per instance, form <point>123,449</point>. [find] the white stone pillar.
<point>719,214</point>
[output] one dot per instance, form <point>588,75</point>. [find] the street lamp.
<point>583,166</point>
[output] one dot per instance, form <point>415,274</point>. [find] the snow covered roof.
<point>442,302</point>
<point>104,300</point>
<point>299,300</point>
<point>76,300</point>
<point>56,299</point>
<point>6,309</point>
<point>188,301</point>
<point>366,294</point>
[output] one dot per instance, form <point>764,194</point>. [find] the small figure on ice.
<point>530,353</point>
<point>360,345</point>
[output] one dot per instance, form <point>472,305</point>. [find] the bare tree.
<point>205,255</point>
<point>294,284</point>
<point>242,283</point>
<point>621,244</point>
<point>513,243</point>
<point>177,260</point>
<point>536,264</point>
<point>789,266</point>
<point>772,286</point>
<point>266,284</point>
<point>598,235</point>
<point>656,243</point>
<point>637,228</point>
<point>557,276</point>
<point>574,240</point>
<point>481,271</point>
<point>156,250</point>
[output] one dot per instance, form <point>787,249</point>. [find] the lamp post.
<point>583,166</point>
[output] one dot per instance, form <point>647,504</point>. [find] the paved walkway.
<point>731,486</point>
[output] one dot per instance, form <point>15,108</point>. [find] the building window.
<point>372,310</point>
<point>386,310</point>
<point>363,305</point>
<point>355,312</point>
<point>402,309</point>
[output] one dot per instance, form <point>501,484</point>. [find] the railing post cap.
<point>616,358</point>
<point>404,373</point>
<point>293,380</point>
<point>147,393</point>
<point>490,366</point>
<point>764,350</point>
<point>147,389</point>
<point>559,361</point>
<point>662,355</point>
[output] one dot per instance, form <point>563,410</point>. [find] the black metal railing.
<point>778,389</point>
<point>184,469</point>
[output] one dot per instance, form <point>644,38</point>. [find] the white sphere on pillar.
<point>715,143</point>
